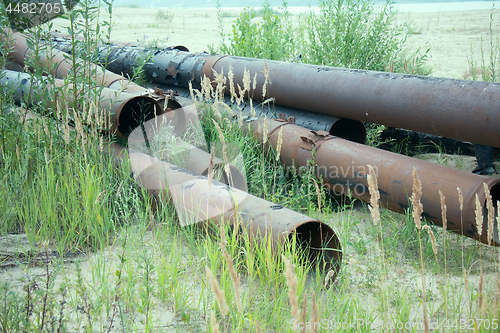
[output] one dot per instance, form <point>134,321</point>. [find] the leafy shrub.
<point>345,33</point>
<point>270,39</point>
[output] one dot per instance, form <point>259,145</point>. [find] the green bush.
<point>358,34</point>
<point>344,33</point>
<point>270,39</point>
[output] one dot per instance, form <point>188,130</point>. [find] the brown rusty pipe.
<point>59,66</point>
<point>207,206</point>
<point>343,166</point>
<point>164,138</point>
<point>126,111</point>
<point>457,109</point>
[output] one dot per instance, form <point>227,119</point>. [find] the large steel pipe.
<point>125,111</point>
<point>343,166</point>
<point>56,63</point>
<point>208,205</point>
<point>457,109</point>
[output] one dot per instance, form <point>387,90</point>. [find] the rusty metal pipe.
<point>343,166</point>
<point>59,66</point>
<point>457,109</point>
<point>126,111</point>
<point>438,106</point>
<point>206,205</point>
<point>175,68</point>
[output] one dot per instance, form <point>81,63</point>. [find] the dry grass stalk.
<point>246,80</point>
<point>374,195</point>
<point>218,293</point>
<point>484,306</point>
<point>257,327</point>
<point>433,240</point>
<point>280,142</point>
<point>219,80</point>
<point>314,315</point>
<point>99,197</point>
<point>269,100</point>
<point>266,81</point>
<point>443,211</point>
<point>254,82</point>
<point>491,213</point>
<point>318,193</point>
<point>481,285</point>
<point>479,217</point>
<point>264,131</point>
<point>415,200</point>
<point>330,276</point>
<point>206,88</point>
<point>214,324</point>
<point>221,136</point>
<point>304,312</point>
<point>460,199</point>
<point>426,321</point>
<point>466,283</point>
<point>227,167</point>
<point>235,277</point>
<point>119,188</point>
<point>497,295</point>
<point>230,76</point>
<point>211,167</point>
<point>291,281</point>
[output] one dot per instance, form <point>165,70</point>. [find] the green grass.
<point>99,261</point>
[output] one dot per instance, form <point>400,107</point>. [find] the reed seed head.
<point>479,217</point>
<point>433,239</point>
<point>460,199</point>
<point>314,315</point>
<point>215,325</point>
<point>218,293</point>
<point>443,211</point>
<point>291,281</point>
<point>415,200</point>
<point>235,278</point>
<point>491,213</point>
<point>374,195</point>
<point>280,142</point>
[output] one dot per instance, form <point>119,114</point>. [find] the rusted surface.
<point>343,166</point>
<point>208,206</point>
<point>57,65</point>
<point>171,139</point>
<point>126,111</point>
<point>457,109</point>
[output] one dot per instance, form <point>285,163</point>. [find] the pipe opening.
<point>320,245</point>
<point>352,130</point>
<point>135,112</point>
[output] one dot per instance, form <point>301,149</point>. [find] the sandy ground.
<point>451,35</point>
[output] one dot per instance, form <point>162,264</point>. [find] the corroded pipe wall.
<point>457,109</point>
<point>206,205</point>
<point>126,111</point>
<point>343,166</point>
<point>57,65</point>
